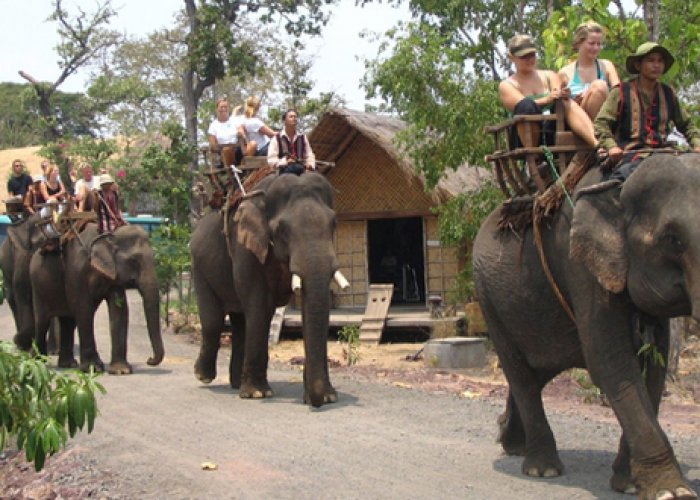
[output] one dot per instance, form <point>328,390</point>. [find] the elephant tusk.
<point>340,279</point>
<point>296,283</point>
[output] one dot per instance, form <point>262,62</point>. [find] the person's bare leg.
<point>251,148</point>
<point>580,122</point>
<point>594,98</point>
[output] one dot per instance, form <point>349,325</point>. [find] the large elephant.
<point>620,258</point>
<point>280,237</point>
<point>93,267</point>
<point>23,238</point>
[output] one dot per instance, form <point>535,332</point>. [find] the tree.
<point>41,407</point>
<point>83,37</point>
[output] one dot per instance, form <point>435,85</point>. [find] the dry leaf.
<point>403,385</point>
<point>209,466</point>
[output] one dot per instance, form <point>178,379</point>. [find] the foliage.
<point>649,353</point>
<point>40,406</point>
<point>159,172</point>
<point>459,221</point>
<point>171,248</point>
<point>350,334</point>
<point>21,123</point>
<point>446,108</point>
<point>591,393</point>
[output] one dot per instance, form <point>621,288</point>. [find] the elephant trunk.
<point>315,319</point>
<point>151,308</point>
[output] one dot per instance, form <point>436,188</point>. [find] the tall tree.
<point>82,37</point>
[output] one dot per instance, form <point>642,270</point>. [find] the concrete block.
<point>455,352</point>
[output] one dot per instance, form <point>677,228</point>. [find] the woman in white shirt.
<point>257,135</point>
<point>223,134</point>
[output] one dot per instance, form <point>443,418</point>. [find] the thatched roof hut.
<point>387,231</point>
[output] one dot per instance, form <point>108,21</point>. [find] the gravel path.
<point>382,440</point>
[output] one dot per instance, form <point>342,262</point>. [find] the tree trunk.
<point>651,19</point>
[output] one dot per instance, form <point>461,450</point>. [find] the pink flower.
<point>121,174</point>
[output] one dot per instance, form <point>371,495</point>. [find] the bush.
<point>40,406</point>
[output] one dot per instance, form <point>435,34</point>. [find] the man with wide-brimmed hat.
<point>109,215</point>
<point>640,113</point>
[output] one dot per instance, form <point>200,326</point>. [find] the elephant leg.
<point>66,359</point>
<point>622,479</point>
<point>53,344</point>
<point>119,327</point>
<point>41,324</point>
<point>254,382</point>
<point>86,335</point>
<point>237,349</point>
<point>511,432</point>
<point>645,458</point>
<point>211,316</point>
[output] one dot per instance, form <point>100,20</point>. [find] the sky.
<point>27,40</point>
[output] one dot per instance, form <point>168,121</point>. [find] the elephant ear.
<point>253,231</point>
<point>102,253</point>
<point>597,238</point>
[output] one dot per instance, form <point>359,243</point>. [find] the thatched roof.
<point>340,127</point>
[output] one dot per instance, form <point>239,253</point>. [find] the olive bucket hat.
<point>646,49</point>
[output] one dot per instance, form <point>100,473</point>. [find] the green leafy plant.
<point>590,392</point>
<point>350,334</point>
<point>649,353</point>
<point>40,406</point>
<point>171,249</point>
<point>459,221</point>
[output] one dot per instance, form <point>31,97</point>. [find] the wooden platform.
<point>399,317</point>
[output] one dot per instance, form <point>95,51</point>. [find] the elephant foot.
<point>543,465</point>
<point>120,368</point>
<point>667,484</point>
<point>250,390</point>
<point>621,480</point>
<point>23,342</point>
<point>97,365</point>
<point>330,396</point>
<point>69,362</point>
<point>235,382</point>
<point>511,435</point>
<point>205,374</point>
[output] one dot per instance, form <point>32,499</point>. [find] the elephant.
<point>623,260</point>
<point>93,267</point>
<point>280,238</point>
<point>23,238</point>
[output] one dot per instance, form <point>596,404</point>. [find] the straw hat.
<point>644,50</point>
<point>106,179</point>
<point>37,178</point>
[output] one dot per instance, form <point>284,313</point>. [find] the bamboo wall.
<point>441,263</point>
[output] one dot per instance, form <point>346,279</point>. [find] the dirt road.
<point>382,440</point>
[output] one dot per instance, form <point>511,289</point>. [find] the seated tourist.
<point>531,91</point>
<point>589,77</point>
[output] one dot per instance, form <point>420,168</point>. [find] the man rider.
<point>638,113</point>
<point>289,150</point>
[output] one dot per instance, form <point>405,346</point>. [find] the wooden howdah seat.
<point>517,169</point>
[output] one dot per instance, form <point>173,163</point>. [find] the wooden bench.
<point>516,167</point>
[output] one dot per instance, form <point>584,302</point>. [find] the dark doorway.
<point>396,256</point>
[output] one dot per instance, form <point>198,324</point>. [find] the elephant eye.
<point>672,243</point>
